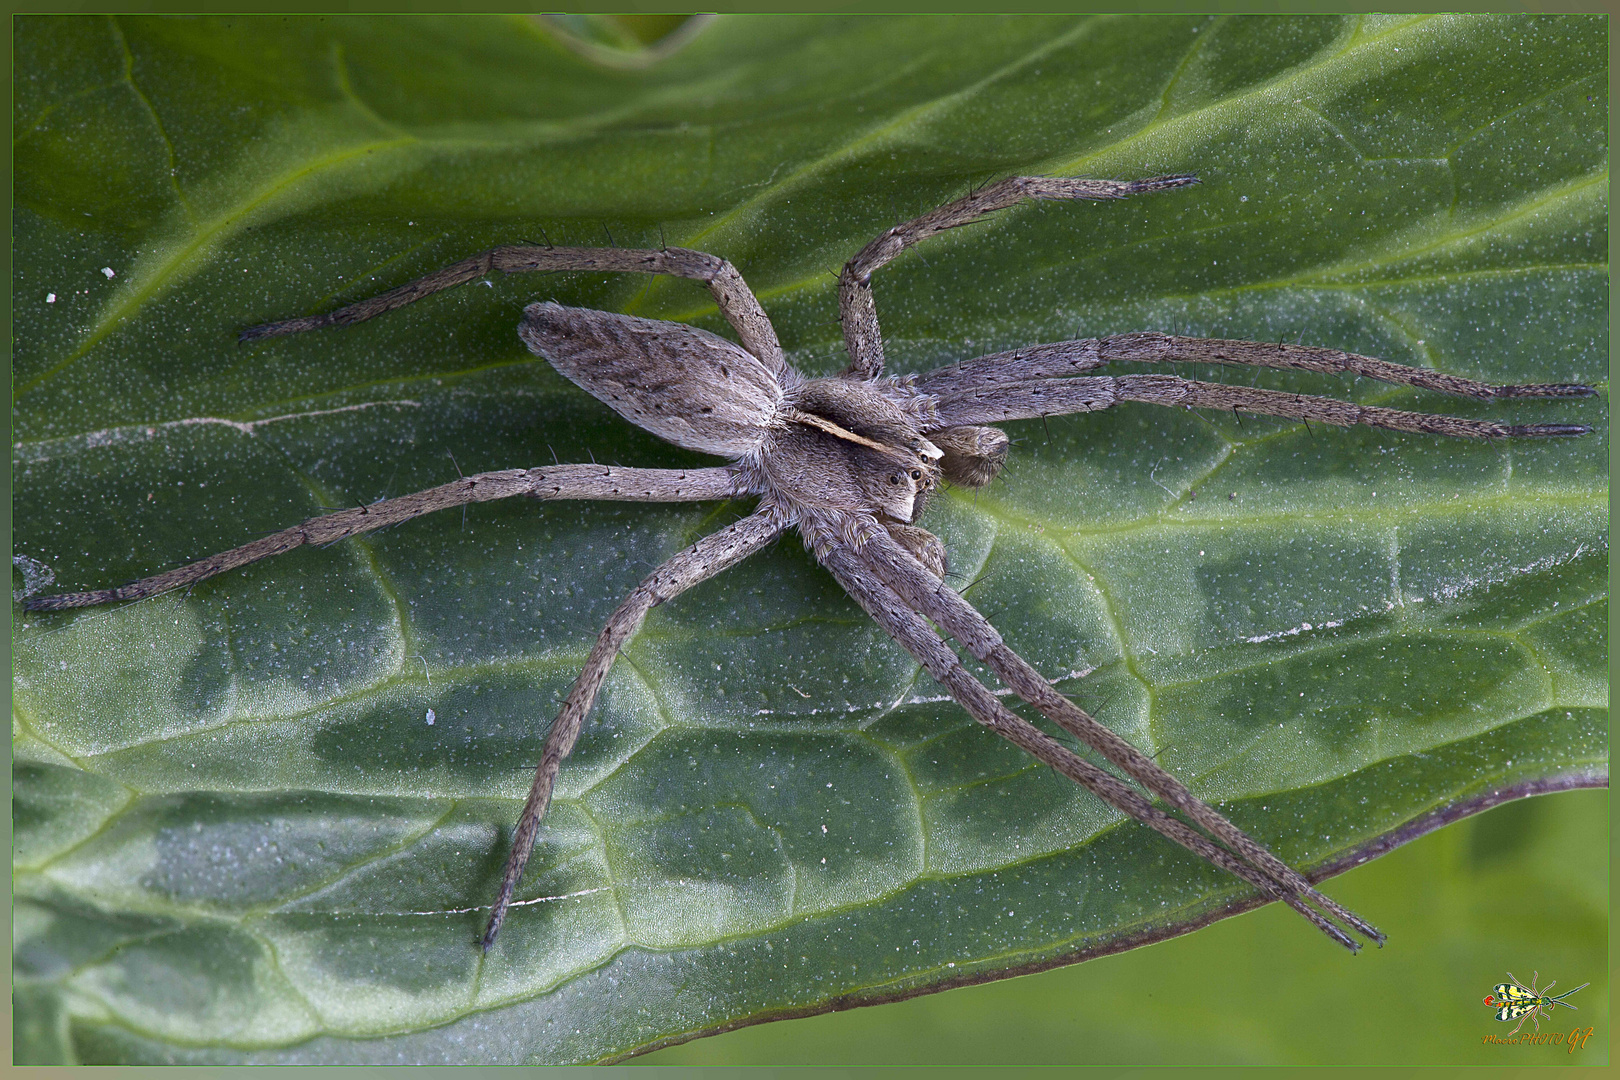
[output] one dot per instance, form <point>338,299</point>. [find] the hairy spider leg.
<point>934,599</point>
<point>1093,393</point>
<point>857,312</point>
<point>905,626</point>
<point>737,301</point>
<point>1059,359</point>
<point>704,559</point>
<point>549,482</point>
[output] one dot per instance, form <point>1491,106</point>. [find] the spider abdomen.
<point>685,385</point>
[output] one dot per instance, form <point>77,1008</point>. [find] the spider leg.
<point>1066,358</point>
<point>698,563</point>
<point>737,302</point>
<point>856,311</point>
<point>550,482</point>
<point>903,624</point>
<point>1050,397</point>
<point>936,600</point>
<point>924,546</point>
<point>1023,401</point>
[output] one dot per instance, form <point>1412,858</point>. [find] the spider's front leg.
<point>856,311</point>
<point>924,546</point>
<point>696,564</point>
<point>1063,359</point>
<point>1093,393</point>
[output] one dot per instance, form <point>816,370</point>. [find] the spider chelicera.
<point>849,461</point>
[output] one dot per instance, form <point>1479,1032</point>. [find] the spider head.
<point>896,488</point>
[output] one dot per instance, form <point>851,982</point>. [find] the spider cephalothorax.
<point>849,461</point>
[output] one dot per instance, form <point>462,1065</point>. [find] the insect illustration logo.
<point>1513,1000</point>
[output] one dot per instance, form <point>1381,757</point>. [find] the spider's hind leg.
<point>551,482</point>
<point>737,302</point>
<point>907,627</point>
<point>893,566</point>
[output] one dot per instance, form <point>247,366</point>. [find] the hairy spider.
<point>850,460</point>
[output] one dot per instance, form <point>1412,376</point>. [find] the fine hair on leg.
<point>1092,393</point>
<point>934,599</point>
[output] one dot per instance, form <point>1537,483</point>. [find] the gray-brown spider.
<point>850,460</point>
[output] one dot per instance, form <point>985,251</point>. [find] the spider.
<point>850,461</point>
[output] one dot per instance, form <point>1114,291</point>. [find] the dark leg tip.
<point>293,326</point>
<point>1545,390</point>
<point>1160,183</point>
<point>60,602</point>
<point>256,333</point>
<point>1547,431</point>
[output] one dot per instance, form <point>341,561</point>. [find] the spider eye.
<point>894,478</point>
<point>916,474</point>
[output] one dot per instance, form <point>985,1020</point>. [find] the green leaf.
<point>239,837</point>
<point>1522,888</point>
